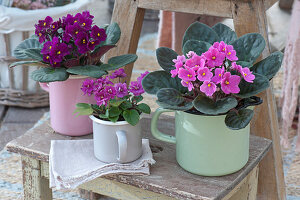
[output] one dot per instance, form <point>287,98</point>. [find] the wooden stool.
<point>248,16</point>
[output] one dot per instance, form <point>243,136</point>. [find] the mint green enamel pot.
<point>204,145</point>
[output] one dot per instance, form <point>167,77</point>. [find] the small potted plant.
<point>68,51</point>
<point>115,116</point>
<point>210,88</point>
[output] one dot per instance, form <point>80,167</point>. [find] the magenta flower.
<point>230,83</point>
<point>218,75</point>
<point>92,43</point>
<point>136,88</point>
<point>140,78</point>
<point>110,91</point>
<point>195,62</point>
<point>58,52</point>
<point>88,86</point>
<point>68,20</point>
<point>208,88</point>
<point>214,57</point>
<point>121,89</point>
<point>230,53</point>
<point>120,73</point>
<point>247,75</point>
<point>187,84</point>
<point>178,65</point>
<point>236,67</point>
<point>72,31</point>
<point>98,33</point>
<point>187,74</point>
<point>216,45</point>
<point>82,42</point>
<point>84,22</point>
<point>47,47</point>
<point>101,98</point>
<point>190,54</point>
<point>222,47</point>
<point>179,58</point>
<point>204,74</point>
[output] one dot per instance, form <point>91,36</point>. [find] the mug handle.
<point>44,86</point>
<point>122,142</point>
<point>155,132</point>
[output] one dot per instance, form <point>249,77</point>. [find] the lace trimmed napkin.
<point>72,163</point>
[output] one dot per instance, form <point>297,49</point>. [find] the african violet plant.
<point>71,45</point>
<point>216,75</point>
<point>115,102</point>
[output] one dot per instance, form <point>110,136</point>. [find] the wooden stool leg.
<point>35,186</point>
<point>130,19</point>
<point>249,16</point>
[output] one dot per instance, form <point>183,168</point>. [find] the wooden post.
<point>130,19</point>
<point>249,16</point>
<point>35,185</point>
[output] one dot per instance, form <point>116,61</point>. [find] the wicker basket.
<point>16,87</point>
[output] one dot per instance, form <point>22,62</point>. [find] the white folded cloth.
<point>72,163</point>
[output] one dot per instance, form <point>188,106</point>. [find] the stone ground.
<point>15,121</point>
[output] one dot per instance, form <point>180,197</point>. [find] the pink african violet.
<point>210,73</point>
<point>121,89</point>
<point>204,74</point>
<point>208,88</point>
<point>230,83</point>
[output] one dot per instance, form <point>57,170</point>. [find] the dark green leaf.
<point>103,116</point>
<point>225,33</point>
<point>26,62</point>
<point>87,70</point>
<point>144,108</point>
<point>113,33</point>
<point>131,116</point>
<point>238,120</point>
<point>34,54</point>
<point>116,102</point>
<point>114,119</point>
<point>210,107</point>
<point>114,111</point>
<point>100,50</point>
<point>201,32</point>
<point>251,101</point>
<point>47,74</point>
<point>83,109</point>
<point>30,43</point>
<point>183,107</point>
<point>119,61</point>
<point>138,99</point>
<point>244,64</point>
<point>170,96</point>
<point>157,80</point>
<point>165,58</point>
<point>269,66</point>
<point>126,105</point>
<point>198,47</point>
<point>260,83</point>
<point>249,47</point>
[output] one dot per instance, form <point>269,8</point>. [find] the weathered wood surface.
<point>166,178</point>
<point>35,185</point>
<point>250,17</point>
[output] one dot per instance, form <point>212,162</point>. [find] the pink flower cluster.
<point>104,89</point>
<point>212,71</point>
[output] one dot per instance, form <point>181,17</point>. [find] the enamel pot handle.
<point>155,132</point>
<point>122,143</point>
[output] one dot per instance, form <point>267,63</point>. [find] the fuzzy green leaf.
<point>249,47</point>
<point>200,32</point>
<point>83,109</point>
<point>157,80</point>
<point>144,108</point>
<point>30,43</point>
<point>225,33</point>
<point>113,33</point>
<point>34,54</point>
<point>25,63</point>
<point>210,107</point>
<point>138,99</point>
<point>48,74</point>
<point>170,96</point>
<point>125,105</point>
<point>244,64</point>
<point>165,58</point>
<point>198,47</point>
<point>131,116</point>
<point>87,70</point>
<point>239,120</point>
<point>269,66</point>
<point>115,102</point>
<point>118,62</point>
<point>183,107</point>
<point>114,112</point>
<point>260,83</point>
<point>114,119</point>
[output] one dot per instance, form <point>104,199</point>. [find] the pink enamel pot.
<point>64,95</point>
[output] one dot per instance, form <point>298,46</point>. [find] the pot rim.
<point>100,121</point>
<point>71,76</point>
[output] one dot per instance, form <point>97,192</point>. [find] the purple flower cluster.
<point>211,71</point>
<point>104,89</point>
<point>71,35</point>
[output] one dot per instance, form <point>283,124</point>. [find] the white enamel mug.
<point>117,142</point>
